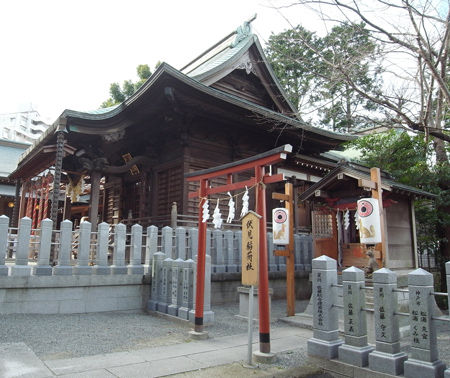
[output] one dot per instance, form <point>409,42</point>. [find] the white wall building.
<point>22,126</point>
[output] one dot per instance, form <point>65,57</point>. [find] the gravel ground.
<point>66,336</point>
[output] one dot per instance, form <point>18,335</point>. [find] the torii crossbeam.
<point>260,180</point>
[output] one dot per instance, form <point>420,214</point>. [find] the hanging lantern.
<point>369,221</point>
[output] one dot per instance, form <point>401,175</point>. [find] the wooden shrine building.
<point>223,106</point>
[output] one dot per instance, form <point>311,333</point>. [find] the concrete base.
<point>101,270</point>
<point>20,270</point>
<point>323,349</point>
<point>152,305</point>
<point>82,270</point>
<point>183,313</point>
<point>198,335</point>
<point>162,307</point>
<point>419,369</point>
<point>358,356</point>
<point>219,269</point>
<point>136,269</point>
<point>208,316</point>
<point>62,270</point>
<point>119,269</point>
<point>4,270</point>
<point>264,358</point>
<point>172,310</point>
<point>387,363</point>
<point>44,270</point>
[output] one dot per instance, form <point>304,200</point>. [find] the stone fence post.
<point>120,237</point>
<point>193,243</point>
<point>217,256</point>
<point>166,241</point>
<point>325,340</point>
<point>387,357</point>
<point>84,248</point>
<point>155,296</point>
<point>177,287</point>
<point>424,360</point>
<point>21,268</point>
<point>4,224</point>
<point>188,289</point>
<point>231,265</point>
<point>180,246</point>
<point>166,285</point>
<point>355,350</point>
<point>208,315</point>
<point>101,258</point>
<point>64,267</point>
<point>135,266</point>
<point>151,247</point>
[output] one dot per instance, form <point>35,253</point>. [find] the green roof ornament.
<point>243,31</point>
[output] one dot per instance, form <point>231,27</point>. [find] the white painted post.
<point>424,360</point>
<point>387,357</point>
<point>135,266</point>
<point>84,248</point>
<point>120,237</point>
<point>21,268</point>
<point>325,340</point>
<point>64,267</point>
<point>101,259</point>
<point>43,267</point>
<point>151,247</point>
<point>4,224</point>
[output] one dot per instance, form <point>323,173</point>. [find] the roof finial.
<point>243,31</point>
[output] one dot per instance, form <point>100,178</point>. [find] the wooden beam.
<point>363,183</point>
<point>280,196</point>
<point>281,252</point>
<point>321,193</point>
<point>375,176</point>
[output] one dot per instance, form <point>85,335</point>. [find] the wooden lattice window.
<point>322,224</point>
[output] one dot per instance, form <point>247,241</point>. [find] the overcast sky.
<point>58,54</point>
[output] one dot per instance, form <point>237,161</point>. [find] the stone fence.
<point>83,271</point>
<point>386,357</point>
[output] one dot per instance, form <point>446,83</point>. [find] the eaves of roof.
<point>386,183</point>
<point>69,117</point>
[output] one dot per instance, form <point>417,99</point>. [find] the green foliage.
<point>316,73</point>
<point>119,93</point>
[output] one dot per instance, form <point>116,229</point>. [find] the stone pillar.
<point>166,241</point>
<point>151,247</point>
<point>64,267</point>
<point>84,248</point>
<point>188,289</point>
<point>166,286</point>
<point>43,267</point>
<point>177,287</point>
<point>120,236</point>
<point>231,265</point>
<point>325,340</point>
<point>355,350</point>
<point>135,266</point>
<point>60,140</point>
<point>155,296</point>
<point>217,258</point>
<point>101,258</point>
<point>193,243</point>
<point>21,267</point>
<point>387,357</point>
<point>180,243</point>
<point>208,315</point>
<point>237,250</point>
<point>424,360</point>
<point>4,224</point>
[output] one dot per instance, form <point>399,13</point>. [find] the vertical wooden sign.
<point>250,248</point>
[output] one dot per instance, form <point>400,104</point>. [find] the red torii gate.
<point>258,164</point>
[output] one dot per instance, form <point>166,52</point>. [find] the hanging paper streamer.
<point>245,199</point>
<point>231,209</point>
<point>346,219</point>
<point>205,213</point>
<point>356,220</point>
<point>217,217</point>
